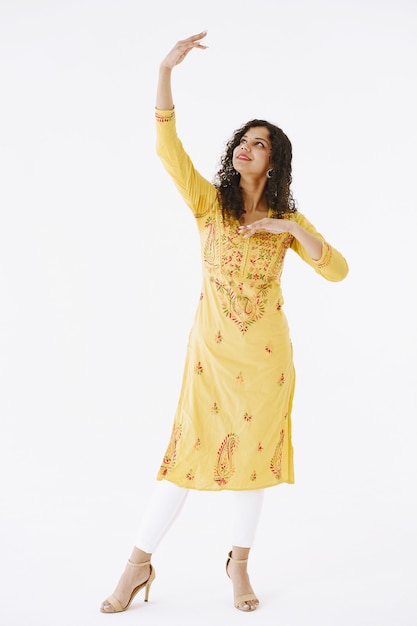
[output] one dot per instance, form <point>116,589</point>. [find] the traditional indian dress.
<point>232,427</point>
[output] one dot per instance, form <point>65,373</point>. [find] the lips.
<point>243,157</point>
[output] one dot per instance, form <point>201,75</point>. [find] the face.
<point>252,155</point>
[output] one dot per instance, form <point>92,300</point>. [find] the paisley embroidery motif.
<point>171,452</point>
<point>224,468</point>
<point>276,461</point>
<point>244,310</point>
<point>210,246</point>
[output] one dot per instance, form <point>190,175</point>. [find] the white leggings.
<point>168,500</point>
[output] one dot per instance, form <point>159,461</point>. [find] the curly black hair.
<point>277,190</point>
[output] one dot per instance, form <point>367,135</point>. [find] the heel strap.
<point>236,560</point>
<point>138,564</point>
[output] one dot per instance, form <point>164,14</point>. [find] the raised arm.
<point>178,53</point>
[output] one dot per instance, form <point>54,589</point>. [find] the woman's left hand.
<point>268,225</point>
<point>312,244</point>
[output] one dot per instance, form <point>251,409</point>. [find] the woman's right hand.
<point>181,49</point>
<point>178,53</point>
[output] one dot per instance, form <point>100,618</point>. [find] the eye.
<point>260,143</point>
<point>243,140</point>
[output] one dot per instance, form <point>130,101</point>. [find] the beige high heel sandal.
<point>113,603</point>
<point>244,599</point>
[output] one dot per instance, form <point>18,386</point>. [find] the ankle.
<point>239,554</point>
<point>139,557</point>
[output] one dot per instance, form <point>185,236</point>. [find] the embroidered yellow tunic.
<point>232,428</point>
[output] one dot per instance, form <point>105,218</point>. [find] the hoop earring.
<point>269,173</point>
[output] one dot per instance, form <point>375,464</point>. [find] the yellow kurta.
<point>232,428</point>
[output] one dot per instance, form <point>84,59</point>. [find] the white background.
<point>100,277</point>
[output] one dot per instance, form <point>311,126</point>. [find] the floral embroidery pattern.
<point>219,337</point>
<point>197,444</point>
<point>215,409</point>
<point>232,253</point>
<point>276,461</point>
<point>253,476</point>
<point>247,417</point>
<point>281,380</point>
<point>198,368</point>
<point>224,468</point>
<point>260,447</point>
<point>239,378</point>
<point>243,270</point>
<point>268,349</point>
<point>171,452</point>
<point>267,255</point>
<point>190,475</point>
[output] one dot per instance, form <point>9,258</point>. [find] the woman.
<point>232,429</point>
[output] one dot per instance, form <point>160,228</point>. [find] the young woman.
<point>232,428</point>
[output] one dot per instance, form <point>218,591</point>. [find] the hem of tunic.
<point>189,485</point>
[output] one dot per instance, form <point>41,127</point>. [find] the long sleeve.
<point>198,193</point>
<point>332,265</point>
